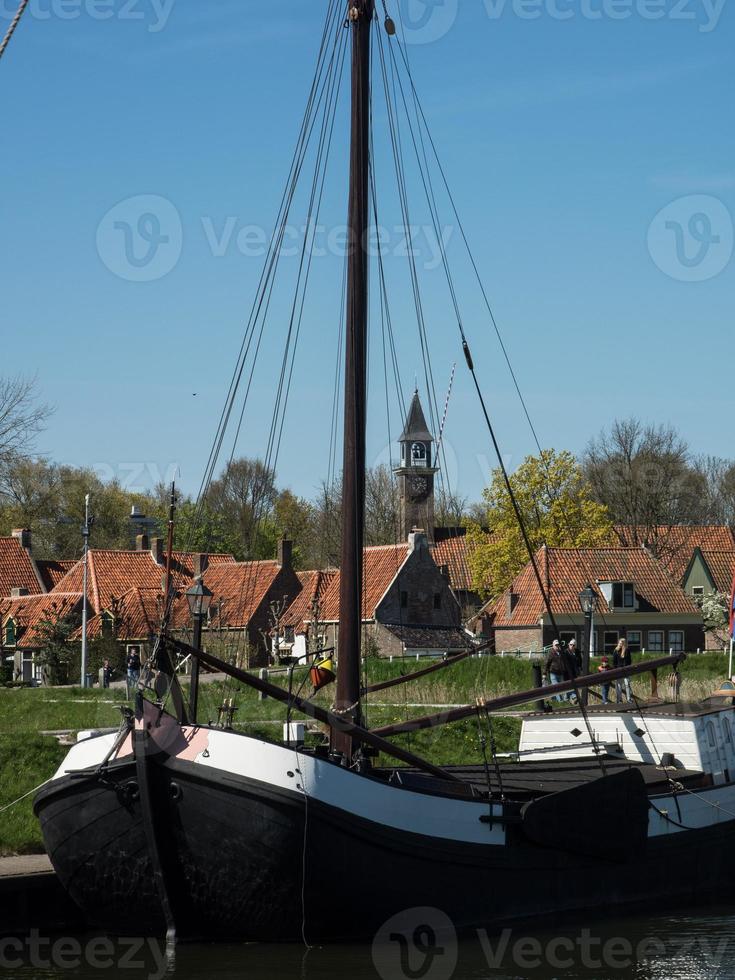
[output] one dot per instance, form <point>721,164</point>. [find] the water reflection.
<point>680,947</point>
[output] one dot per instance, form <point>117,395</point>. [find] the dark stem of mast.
<point>360,16</point>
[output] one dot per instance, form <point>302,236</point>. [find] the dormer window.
<point>418,454</point>
<point>619,595</point>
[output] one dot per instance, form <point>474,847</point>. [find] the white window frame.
<point>698,591</point>
<point>653,648</point>
<point>638,642</point>
<point>672,645</point>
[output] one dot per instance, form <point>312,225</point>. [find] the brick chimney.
<point>18,592</point>
<point>24,536</point>
<point>418,540</point>
<point>200,563</point>
<point>141,542</point>
<point>285,553</point>
<point>157,550</point>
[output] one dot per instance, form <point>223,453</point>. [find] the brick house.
<point>239,615</point>
<point>408,607</point>
<point>26,625</point>
<point>637,599</point>
<point>708,572</point>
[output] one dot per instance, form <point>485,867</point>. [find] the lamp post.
<point>199,598</point>
<point>86,531</point>
<point>588,604</point>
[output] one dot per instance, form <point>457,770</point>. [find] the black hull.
<point>234,860</point>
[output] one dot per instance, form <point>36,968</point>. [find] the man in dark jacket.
<point>555,667</point>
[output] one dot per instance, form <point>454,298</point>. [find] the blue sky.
<point>590,148</point>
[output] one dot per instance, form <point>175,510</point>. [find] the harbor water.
<point>681,946</point>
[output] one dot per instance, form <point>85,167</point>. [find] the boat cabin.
<point>694,737</point>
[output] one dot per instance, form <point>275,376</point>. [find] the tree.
<point>643,475</point>
<point>245,496</point>
<point>382,506</point>
<point>49,499</point>
<point>558,510</point>
<point>450,509</point>
<point>718,479</point>
<point>716,616</point>
<point>22,417</point>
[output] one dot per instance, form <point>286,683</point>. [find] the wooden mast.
<point>360,16</point>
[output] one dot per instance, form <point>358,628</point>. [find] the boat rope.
<point>486,764</point>
<point>30,792</point>
<point>304,850</point>
<point>482,705</point>
<point>422,127</point>
<point>11,30</point>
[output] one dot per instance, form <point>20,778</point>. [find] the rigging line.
<point>311,253</point>
<point>287,198</point>
<point>327,90</point>
<point>259,510</point>
<point>397,143</point>
<point>8,35</point>
<point>395,78</point>
<point>433,207</point>
<point>465,239</point>
<point>403,197</point>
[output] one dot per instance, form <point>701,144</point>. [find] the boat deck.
<point>528,780</point>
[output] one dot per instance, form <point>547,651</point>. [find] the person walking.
<point>622,658</point>
<point>132,666</point>
<point>605,666</point>
<point>555,667</point>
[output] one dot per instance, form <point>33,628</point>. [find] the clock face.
<point>418,485</point>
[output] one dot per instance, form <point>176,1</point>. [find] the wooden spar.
<point>405,678</point>
<point>336,722</point>
<point>353,472</point>
<point>522,697</point>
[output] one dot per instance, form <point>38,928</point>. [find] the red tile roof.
<point>29,613</point>
<point>722,566</point>
<point>113,573</point>
<point>137,616</point>
<point>567,571</point>
<point>454,552</point>
<point>239,588</point>
<point>52,572</point>
<point>314,585</point>
<point>674,545</point>
<point>380,567</point>
<point>17,569</point>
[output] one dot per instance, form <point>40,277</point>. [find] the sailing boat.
<point>197,831</point>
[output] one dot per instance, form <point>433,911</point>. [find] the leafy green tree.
<point>558,509</point>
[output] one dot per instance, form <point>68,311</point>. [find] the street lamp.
<point>588,604</point>
<point>199,598</point>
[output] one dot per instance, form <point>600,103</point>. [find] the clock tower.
<point>416,473</point>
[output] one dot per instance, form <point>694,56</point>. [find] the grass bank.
<point>28,755</point>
